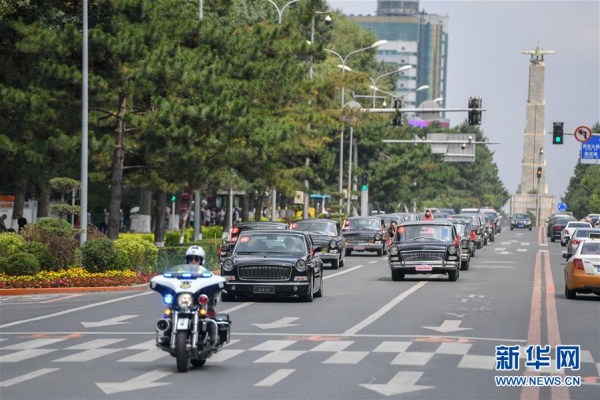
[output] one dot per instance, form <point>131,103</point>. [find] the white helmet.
<point>195,251</point>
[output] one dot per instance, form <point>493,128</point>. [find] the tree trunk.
<point>116,181</point>
<point>246,207</point>
<point>159,220</point>
<point>44,202</point>
<point>20,190</point>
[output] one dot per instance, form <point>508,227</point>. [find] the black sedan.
<point>364,234</point>
<point>426,247</point>
<point>236,229</point>
<point>521,220</point>
<point>273,263</point>
<point>325,233</point>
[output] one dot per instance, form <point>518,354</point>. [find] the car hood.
<point>321,238</point>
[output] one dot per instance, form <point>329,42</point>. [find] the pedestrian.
<point>236,215</point>
<point>192,218</point>
<point>2,224</point>
<point>21,221</point>
<point>428,215</point>
<point>206,217</point>
<point>121,221</point>
<point>213,217</point>
<point>103,221</point>
<point>222,216</point>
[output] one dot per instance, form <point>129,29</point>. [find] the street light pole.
<point>83,222</point>
<point>280,10</point>
<point>344,68</point>
<point>374,81</point>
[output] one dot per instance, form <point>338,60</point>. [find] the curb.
<point>24,291</point>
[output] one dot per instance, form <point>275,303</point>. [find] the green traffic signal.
<point>173,198</point>
<point>365,188</point>
<point>557,133</point>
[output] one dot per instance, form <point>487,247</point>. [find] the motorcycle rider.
<point>195,255</point>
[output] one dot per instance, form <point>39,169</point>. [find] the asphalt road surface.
<point>366,338</point>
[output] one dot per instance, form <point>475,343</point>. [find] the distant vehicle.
<point>364,234</point>
<point>521,221</point>
<point>273,262</point>
<point>566,233</point>
<point>327,234</point>
<point>476,226</point>
<point>557,226</point>
<point>236,229</point>
<point>582,272</point>
<point>426,247</point>
<point>463,229</point>
<point>552,219</point>
<point>577,237</point>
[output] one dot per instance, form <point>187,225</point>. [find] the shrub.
<point>10,243</point>
<point>60,238</point>
<point>212,232</point>
<point>98,255</point>
<point>172,238</point>
<point>41,253</point>
<point>21,264</point>
<point>135,254</point>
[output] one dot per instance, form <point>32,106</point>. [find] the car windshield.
<point>578,225</point>
<point>522,216</point>
<point>186,270</point>
<point>269,243</point>
<point>461,229</point>
<point>418,232</point>
<point>315,227</point>
<point>363,223</point>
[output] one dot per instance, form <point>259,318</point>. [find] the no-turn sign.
<point>583,134</point>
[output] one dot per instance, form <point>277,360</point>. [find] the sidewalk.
<point>25,291</point>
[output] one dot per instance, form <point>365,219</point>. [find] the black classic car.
<point>476,225</point>
<point>463,228</point>
<point>364,234</point>
<point>325,233</point>
<point>521,220</point>
<point>426,247</point>
<point>236,229</point>
<point>273,263</point>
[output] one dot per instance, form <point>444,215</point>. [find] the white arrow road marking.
<point>284,322</point>
<point>143,381</point>
<point>456,315</point>
<point>449,325</point>
<point>26,377</point>
<point>402,382</point>
<point>108,322</point>
<point>275,377</point>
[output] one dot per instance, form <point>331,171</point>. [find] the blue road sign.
<point>590,151</point>
<point>561,206</point>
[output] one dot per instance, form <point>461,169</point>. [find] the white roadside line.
<point>24,321</point>
<point>375,316</point>
<point>345,271</point>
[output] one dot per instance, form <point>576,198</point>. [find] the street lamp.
<point>328,20</point>
<point>282,9</point>
<point>344,68</point>
<point>374,81</point>
<point>539,177</point>
<point>83,222</point>
<point>376,89</point>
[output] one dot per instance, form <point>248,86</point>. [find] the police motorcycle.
<point>190,330</point>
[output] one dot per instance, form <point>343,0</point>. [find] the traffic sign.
<point>590,151</point>
<point>562,206</point>
<point>583,134</point>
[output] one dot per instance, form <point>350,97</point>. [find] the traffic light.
<point>365,181</point>
<point>397,103</point>
<point>475,114</point>
<point>173,198</point>
<point>539,172</point>
<point>557,133</point>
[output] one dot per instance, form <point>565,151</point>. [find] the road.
<point>367,337</point>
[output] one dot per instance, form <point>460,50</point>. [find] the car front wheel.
<point>571,294</point>
<point>453,275</point>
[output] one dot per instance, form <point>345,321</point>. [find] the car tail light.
<point>294,226</point>
<point>575,241</point>
<point>578,264</point>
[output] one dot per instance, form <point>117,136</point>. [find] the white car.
<point>566,233</point>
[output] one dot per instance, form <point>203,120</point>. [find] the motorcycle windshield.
<point>187,271</point>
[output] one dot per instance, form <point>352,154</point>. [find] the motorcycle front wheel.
<point>181,353</point>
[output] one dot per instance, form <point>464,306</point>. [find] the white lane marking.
<point>280,357</point>
<point>94,344</point>
<point>32,344</point>
<point>332,345</point>
<point>477,362</point>
<point>412,358</point>
<point>24,355</point>
<point>146,356</point>
<point>345,271</point>
<point>147,345</point>
<point>392,347</point>
<point>273,345</point>
<point>523,250</point>
<point>346,357</point>
<point>275,377</point>
<point>500,249</point>
<point>238,307</point>
<point>373,262</point>
<point>525,244</point>
<point>72,310</point>
<point>87,355</point>
<point>496,262</point>
<point>376,315</point>
<point>454,348</point>
<point>26,377</point>
<point>143,381</point>
<point>225,355</point>
<point>61,298</point>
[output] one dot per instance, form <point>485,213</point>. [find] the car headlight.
<point>300,266</point>
<point>452,250</point>
<point>528,222</point>
<point>185,300</point>
<point>378,236</point>
<point>333,244</point>
<point>394,251</point>
<point>228,265</point>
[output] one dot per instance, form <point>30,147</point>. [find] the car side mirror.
<point>225,249</point>
<point>317,249</point>
<point>566,256</point>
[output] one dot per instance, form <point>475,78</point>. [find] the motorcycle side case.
<point>224,324</point>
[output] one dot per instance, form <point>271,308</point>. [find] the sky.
<point>484,41</point>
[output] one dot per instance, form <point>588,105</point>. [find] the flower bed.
<point>74,277</point>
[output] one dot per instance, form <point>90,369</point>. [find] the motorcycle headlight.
<point>333,244</point>
<point>228,265</point>
<point>394,251</point>
<point>300,266</point>
<point>185,300</point>
<point>378,236</point>
<point>452,250</point>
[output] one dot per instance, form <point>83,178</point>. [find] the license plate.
<point>183,323</point>
<point>424,268</point>
<point>520,226</point>
<point>358,248</point>
<point>264,289</point>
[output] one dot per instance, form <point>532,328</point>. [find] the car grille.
<point>423,255</point>
<point>360,238</point>
<point>265,272</point>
